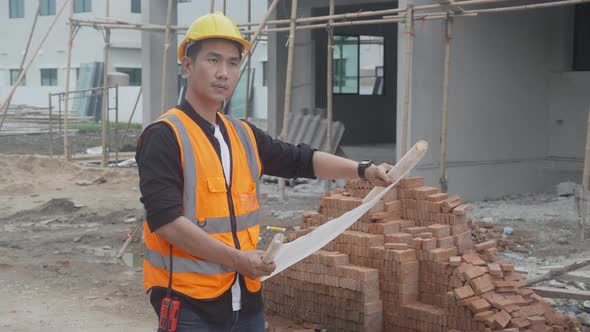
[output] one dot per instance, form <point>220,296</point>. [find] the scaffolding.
<point>446,10</point>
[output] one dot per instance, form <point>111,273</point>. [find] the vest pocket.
<point>248,199</point>
<point>216,184</point>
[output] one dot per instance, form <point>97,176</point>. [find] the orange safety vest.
<point>227,213</point>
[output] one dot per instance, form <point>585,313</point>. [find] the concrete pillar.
<point>277,64</point>
<point>151,60</point>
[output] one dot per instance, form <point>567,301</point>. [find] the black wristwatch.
<point>363,165</point>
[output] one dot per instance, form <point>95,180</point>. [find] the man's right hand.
<point>251,265</point>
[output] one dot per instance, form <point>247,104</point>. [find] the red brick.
<point>501,319</point>
<point>485,245</point>
<point>428,244</point>
<point>438,197</point>
<point>396,246</point>
<point>411,182</point>
<point>473,272</point>
<point>479,305</point>
<point>455,261</point>
<point>442,254</point>
<point>473,259</point>
<point>495,270</point>
<point>439,230</point>
<point>463,293</point>
<point>461,210</point>
<point>403,256</point>
<point>482,284</point>
<point>398,238</point>
<point>450,203</point>
<point>480,316</point>
<point>446,242</point>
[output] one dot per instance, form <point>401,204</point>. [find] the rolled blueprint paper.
<point>273,248</point>
<point>408,162</point>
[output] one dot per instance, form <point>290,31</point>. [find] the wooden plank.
<point>557,293</point>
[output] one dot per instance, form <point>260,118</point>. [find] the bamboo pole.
<point>248,66</point>
<point>357,15</point>
<point>557,272</point>
<point>165,57</point>
<point>4,107</point>
<point>329,80</point>
<point>409,44</point>
<point>67,93</point>
<point>329,87</point>
<point>284,136</point>
<point>105,87</point>
<point>253,44</point>
<point>445,106</point>
<point>585,186</point>
<point>22,61</point>
<point>125,25</point>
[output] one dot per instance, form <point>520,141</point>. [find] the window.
<point>49,77</point>
<point>136,6</point>
<point>16,8</point>
<point>14,76</point>
<point>47,7</point>
<point>358,65</point>
<point>264,73</point>
<point>82,6</point>
<point>134,75</point>
<point>582,37</point>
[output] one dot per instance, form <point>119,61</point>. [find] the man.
<point>199,178</point>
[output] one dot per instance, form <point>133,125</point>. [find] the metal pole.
<point>165,57</point>
<point>116,122</point>
<point>248,65</point>
<point>585,186</point>
<point>50,128</point>
<point>105,85</point>
<point>59,127</point>
<point>285,132</point>
<point>68,70</point>
<point>409,36</point>
<point>212,6</point>
<point>130,118</point>
<point>330,88</point>
<point>445,106</point>
<point>224,8</point>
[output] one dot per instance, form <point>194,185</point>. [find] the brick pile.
<point>409,264</point>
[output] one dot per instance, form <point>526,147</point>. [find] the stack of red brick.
<point>409,264</point>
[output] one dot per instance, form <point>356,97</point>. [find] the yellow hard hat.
<point>214,25</point>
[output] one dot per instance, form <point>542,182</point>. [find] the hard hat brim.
<point>182,47</point>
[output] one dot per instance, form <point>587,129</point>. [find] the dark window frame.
<point>47,8</point>
<point>581,41</point>
<point>15,77</point>
<point>82,6</point>
<point>48,75</point>
<point>135,74</point>
<point>265,73</point>
<point>19,11</point>
<point>136,6</point>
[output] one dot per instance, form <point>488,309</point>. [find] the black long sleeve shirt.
<point>161,185</point>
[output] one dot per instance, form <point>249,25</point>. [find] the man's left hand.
<point>377,175</point>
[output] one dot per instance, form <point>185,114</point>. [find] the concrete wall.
<point>510,82</point>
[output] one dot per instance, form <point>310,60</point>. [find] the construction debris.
<point>409,264</point>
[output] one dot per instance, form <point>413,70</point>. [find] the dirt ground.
<point>61,225</point>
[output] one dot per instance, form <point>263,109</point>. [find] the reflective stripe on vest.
<point>181,264</point>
